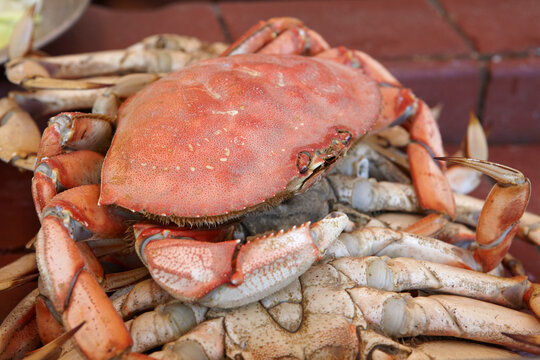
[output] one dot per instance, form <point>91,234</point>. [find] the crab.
<point>208,144</point>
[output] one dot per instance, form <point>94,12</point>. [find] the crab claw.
<point>278,36</point>
<point>228,274</point>
<point>504,206</point>
<point>184,262</point>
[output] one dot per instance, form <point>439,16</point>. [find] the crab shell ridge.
<point>228,135</point>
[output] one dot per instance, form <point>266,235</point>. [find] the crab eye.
<point>345,136</point>
<point>303,161</point>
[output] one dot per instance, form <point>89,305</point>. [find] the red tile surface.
<point>497,25</point>
<point>455,84</point>
<point>391,28</point>
<point>512,106</point>
<point>102,28</point>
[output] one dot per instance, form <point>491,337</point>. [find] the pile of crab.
<point>272,199</point>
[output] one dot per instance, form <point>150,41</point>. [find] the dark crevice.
<point>485,74</point>
<point>485,79</point>
<point>446,17</point>
<point>224,28</point>
<point>21,250</point>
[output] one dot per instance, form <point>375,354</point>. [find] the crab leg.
<point>142,296</point>
<point>431,185</point>
<point>52,98</point>
<point>54,101</point>
<point>369,195</point>
<point>384,348</point>
<point>19,135</point>
<point>187,44</point>
<point>451,232</point>
<point>469,209</point>
<point>463,179</point>
<point>102,322</point>
<point>206,341</point>
<point>18,272</point>
<point>278,36</point>
<point>380,241</point>
<point>429,182</point>
<point>70,284</point>
<point>529,228</point>
<point>401,274</point>
<point>460,350</point>
<point>107,102</point>
<point>165,323</point>
<point>162,51</point>
<point>119,280</point>
<point>102,63</point>
<point>505,205</point>
<point>497,223</point>
<point>428,226</point>
<point>18,332</point>
<point>191,270</point>
<point>400,315</point>
<point>64,171</point>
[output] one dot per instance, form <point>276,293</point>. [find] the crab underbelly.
<point>225,135</point>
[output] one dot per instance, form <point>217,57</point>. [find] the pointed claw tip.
<point>473,118</point>
<point>501,173</point>
<point>16,282</point>
<point>45,351</point>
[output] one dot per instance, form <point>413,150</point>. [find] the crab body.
<point>225,136</point>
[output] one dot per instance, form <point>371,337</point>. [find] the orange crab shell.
<point>229,134</point>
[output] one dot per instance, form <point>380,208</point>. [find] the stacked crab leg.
<point>336,308</point>
<point>320,312</point>
<point>323,307</point>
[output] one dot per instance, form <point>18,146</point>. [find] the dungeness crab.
<point>202,147</point>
